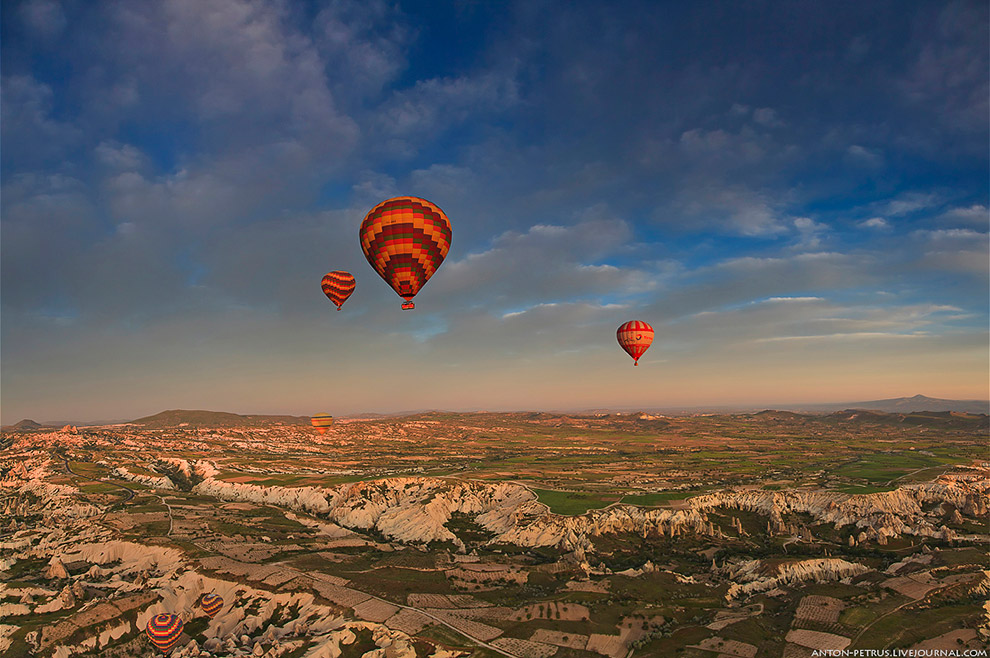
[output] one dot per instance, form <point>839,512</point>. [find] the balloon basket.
<point>408,306</point>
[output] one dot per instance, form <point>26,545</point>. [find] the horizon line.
<point>714,407</point>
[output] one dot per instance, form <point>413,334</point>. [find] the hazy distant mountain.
<point>904,405</point>
<point>200,418</point>
<point>26,424</point>
<point>935,419</point>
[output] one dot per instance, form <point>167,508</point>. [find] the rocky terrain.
<point>417,509</point>
<point>106,527</point>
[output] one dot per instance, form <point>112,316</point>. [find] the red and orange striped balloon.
<point>338,286</point>
<point>321,422</point>
<point>164,631</point>
<point>635,337</point>
<point>405,239</point>
<point>211,604</point>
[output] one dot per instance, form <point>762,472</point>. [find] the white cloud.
<point>855,335</point>
<point>909,203</point>
<point>363,43</point>
<point>120,156</point>
<point>546,263</point>
<point>30,134</point>
<point>975,262</point>
<point>734,208</point>
<point>974,214</point>
<point>766,116</point>
<point>877,223</point>
<point>241,66</point>
<point>864,157</point>
<point>963,234</point>
<point>412,117</point>
<point>800,300</point>
<point>375,187</point>
<point>785,319</point>
<point>810,233</point>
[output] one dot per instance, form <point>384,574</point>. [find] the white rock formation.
<point>148,480</point>
<point>879,515</point>
<point>417,509</point>
<point>753,576</point>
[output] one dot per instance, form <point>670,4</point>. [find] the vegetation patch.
<point>887,466</point>
<point>571,503</point>
<point>661,497</point>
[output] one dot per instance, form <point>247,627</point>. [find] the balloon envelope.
<point>321,422</point>
<point>212,604</point>
<point>164,631</point>
<point>635,337</point>
<point>405,239</point>
<point>338,286</point>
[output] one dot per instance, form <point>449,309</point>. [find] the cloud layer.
<point>796,198</point>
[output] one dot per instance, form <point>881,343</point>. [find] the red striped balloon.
<point>338,286</point>
<point>164,631</point>
<point>635,337</point>
<point>211,604</point>
<point>405,239</point>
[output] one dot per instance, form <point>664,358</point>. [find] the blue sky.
<point>794,194</point>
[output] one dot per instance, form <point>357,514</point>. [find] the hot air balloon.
<point>635,337</point>
<point>405,239</point>
<point>321,422</point>
<point>211,604</point>
<point>164,631</point>
<point>338,286</point>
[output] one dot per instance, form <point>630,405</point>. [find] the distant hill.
<point>200,418</point>
<point>904,405</point>
<point>934,419</point>
<point>26,424</point>
<point>771,414</point>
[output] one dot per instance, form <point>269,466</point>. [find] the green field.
<point>882,467</point>
<point>573,502</point>
<point>864,489</point>
<point>906,627</point>
<point>655,499</point>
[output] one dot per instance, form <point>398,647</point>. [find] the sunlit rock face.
<point>418,509</point>
<point>752,576</point>
<point>152,481</point>
<point>883,514</point>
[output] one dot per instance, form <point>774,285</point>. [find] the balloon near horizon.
<point>338,286</point>
<point>164,631</point>
<point>321,422</point>
<point>405,239</point>
<point>635,337</point>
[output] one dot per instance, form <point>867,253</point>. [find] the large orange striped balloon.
<point>405,239</point>
<point>212,604</point>
<point>338,286</point>
<point>635,337</point>
<point>321,422</point>
<point>164,631</point>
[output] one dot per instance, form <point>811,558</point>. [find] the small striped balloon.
<point>338,286</point>
<point>164,631</point>
<point>211,604</point>
<point>635,337</point>
<point>321,422</point>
